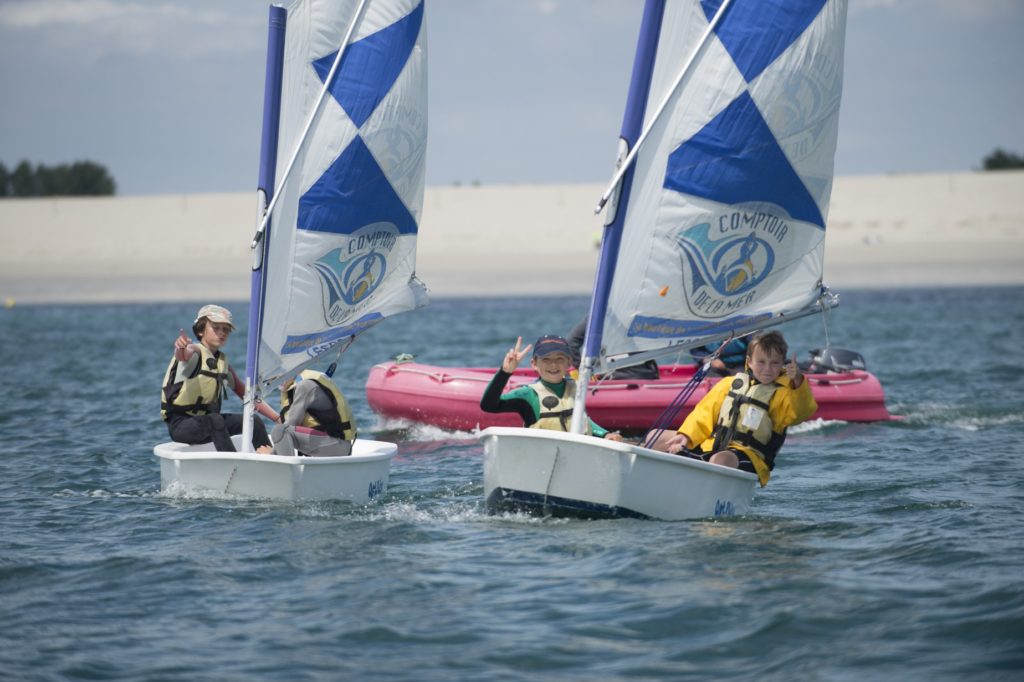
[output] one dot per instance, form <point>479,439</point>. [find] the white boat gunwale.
<point>172,450</point>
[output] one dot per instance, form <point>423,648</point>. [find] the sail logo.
<point>350,273</point>
<point>727,260</point>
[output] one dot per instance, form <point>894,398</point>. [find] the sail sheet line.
<point>669,415</point>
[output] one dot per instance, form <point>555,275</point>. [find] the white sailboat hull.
<point>564,474</point>
<point>357,478</point>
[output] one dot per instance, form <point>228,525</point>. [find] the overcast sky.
<point>168,94</point>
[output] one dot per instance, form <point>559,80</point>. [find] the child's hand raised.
<point>181,345</point>
<point>182,341</point>
<point>514,356</point>
<point>796,377</point>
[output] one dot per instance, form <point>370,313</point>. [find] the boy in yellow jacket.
<point>742,421</point>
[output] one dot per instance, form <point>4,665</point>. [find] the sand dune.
<point>884,231</point>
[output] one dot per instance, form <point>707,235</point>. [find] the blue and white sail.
<point>724,229</point>
<point>341,249</point>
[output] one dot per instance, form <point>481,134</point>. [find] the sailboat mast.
<point>268,167</point>
<point>632,124</point>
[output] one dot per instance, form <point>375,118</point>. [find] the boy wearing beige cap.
<point>196,382</point>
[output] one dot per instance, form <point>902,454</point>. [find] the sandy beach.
<point>963,229</point>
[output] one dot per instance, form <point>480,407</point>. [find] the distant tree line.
<point>1001,160</point>
<point>81,178</point>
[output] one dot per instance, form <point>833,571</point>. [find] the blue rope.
<point>669,415</point>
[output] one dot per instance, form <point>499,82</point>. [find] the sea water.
<point>879,551</point>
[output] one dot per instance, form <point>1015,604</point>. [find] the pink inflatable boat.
<point>449,397</point>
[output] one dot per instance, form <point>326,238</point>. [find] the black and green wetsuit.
<point>524,400</point>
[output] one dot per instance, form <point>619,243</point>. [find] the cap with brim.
<point>549,345</point>
<point>215,313</point>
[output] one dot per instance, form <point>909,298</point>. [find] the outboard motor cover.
<point>837,360</point>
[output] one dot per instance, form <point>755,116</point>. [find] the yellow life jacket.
<point>745,419</point>
<point>337,421</point>
<point>201,394</point>
<point>556,412</point>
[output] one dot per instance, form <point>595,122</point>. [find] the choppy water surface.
<point>879,551</point>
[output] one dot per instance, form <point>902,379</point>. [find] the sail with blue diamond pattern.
<point>341,250</point>
<point>724,223</point>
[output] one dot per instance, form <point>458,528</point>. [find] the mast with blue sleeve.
<point>268,166</point>
<point>636,103</point>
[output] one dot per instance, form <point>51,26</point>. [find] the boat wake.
<point>102,494</point>
<point>814,425</point>
<point>405,430</point>
<point>464,511</point>
<point>960,417</point>
<point>178,491</point>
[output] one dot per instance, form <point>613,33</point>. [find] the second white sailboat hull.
<point>563,474</point>
<point>357,478</point>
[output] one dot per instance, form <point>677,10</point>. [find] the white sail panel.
<point>343,234</point>
<point>725,223</point>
